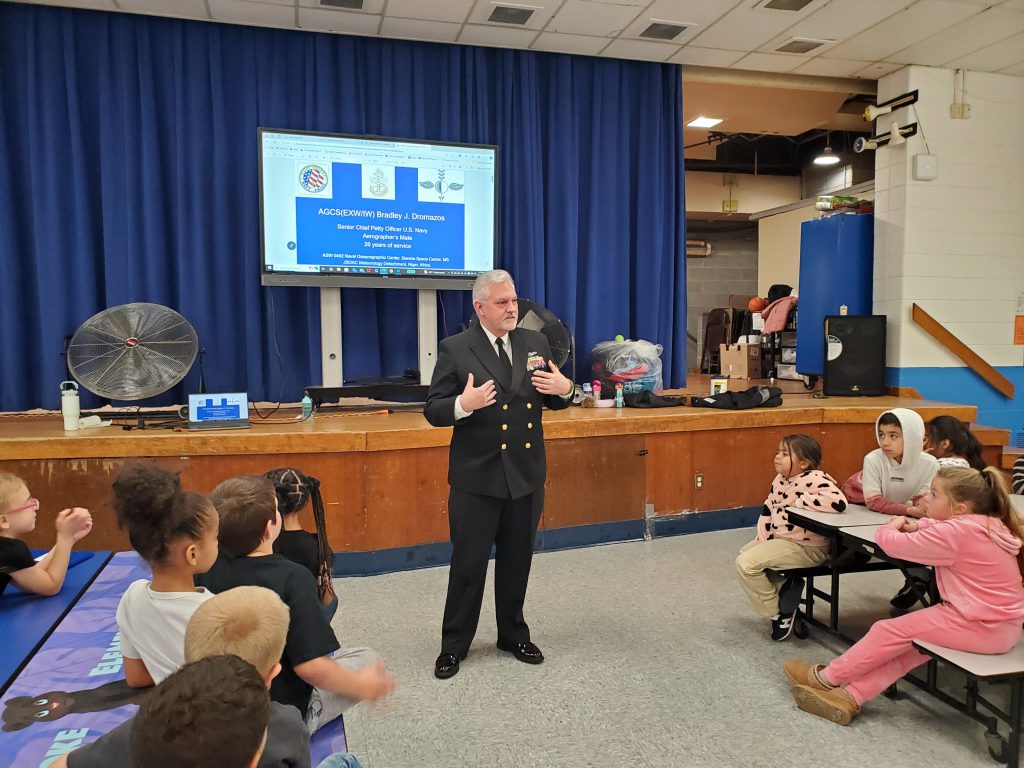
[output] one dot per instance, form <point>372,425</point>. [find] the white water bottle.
<point>69,405</point>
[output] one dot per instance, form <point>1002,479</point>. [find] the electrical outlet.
<point>698,480</point>
<point>959,111</point>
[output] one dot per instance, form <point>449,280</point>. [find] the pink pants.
<point>886,653</point>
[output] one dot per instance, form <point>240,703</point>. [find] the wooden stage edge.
<point>384,476</point>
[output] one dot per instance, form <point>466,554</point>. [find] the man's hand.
<point>475,398</point>
<point>74,524</point>
<point>551,382</point>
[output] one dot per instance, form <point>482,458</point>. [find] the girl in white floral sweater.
<point>779,544</point>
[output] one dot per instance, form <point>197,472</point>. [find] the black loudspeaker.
<point>854,355</point>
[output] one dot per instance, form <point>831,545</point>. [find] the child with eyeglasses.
<point>18,517</point>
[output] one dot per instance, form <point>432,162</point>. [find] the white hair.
<point>482,285</point>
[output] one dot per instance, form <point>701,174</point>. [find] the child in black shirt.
<point>311,550</point>
<point>17,518</point>
<point>318,677</point>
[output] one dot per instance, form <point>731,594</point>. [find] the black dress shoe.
<point>447,665</point>
<point>527,651</point>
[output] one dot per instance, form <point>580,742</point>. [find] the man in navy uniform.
<point>490,383</point>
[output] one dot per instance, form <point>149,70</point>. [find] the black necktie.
<point>506,364</point>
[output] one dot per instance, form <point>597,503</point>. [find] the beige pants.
<point>755,559</point>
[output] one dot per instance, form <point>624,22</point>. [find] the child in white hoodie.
<point>779,544</point>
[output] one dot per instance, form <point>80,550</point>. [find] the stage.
<point>611,473</point>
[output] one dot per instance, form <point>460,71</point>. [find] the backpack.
<point>754,397</point>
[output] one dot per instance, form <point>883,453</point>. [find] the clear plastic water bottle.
<point>307,407</point>
<point>619,400</point>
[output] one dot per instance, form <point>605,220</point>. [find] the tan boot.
<point>836,704</point>
<point>799,673</point>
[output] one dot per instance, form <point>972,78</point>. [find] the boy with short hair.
<point>317,677</point>
<point>212,713</point>
<point>248,622</point>
<point>17,517</point>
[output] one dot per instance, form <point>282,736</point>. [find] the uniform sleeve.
<point>553,402</point>
<point>930,544</point>
<point>444,388</point>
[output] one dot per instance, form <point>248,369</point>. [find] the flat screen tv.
<point>374,212</point>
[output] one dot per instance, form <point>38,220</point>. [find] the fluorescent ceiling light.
<point>704,122</point>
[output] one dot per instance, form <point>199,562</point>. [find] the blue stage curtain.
<point>128,172</point>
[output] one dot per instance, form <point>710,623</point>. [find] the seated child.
<point>175,532</point>
<point>248,622</point>
<point>311,550</point>
<point>316,677</point>
<point>895,477</point>
<point>952,444</point>
<point>17,518</point>
<point>779,544</point>
<point>212,713</point>
<point>973,539</point>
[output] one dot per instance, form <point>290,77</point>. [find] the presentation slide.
<point>356,205</point>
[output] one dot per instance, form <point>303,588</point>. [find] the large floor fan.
<point>132,351</point>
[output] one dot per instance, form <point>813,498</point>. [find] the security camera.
<point>861,144</point>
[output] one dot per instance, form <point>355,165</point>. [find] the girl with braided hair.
<point>294,491</point>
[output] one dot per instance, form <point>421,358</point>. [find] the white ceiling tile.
<point>435,10</point>
<point>338,21</point>
<point>578,17</point>
<point>994,57</point>
<point>841,20</point>
<point>289,3</point>
<point>420,29</point>
<point>503,37</point>
<point>1017,5</point>
<point>693,28</point>
<point>706,57</point>
<point>1016,70</point>
<point>769,62</point>
<point>369,6</point>
<point>697,11</point>
<point>556,42</point>
<point>639,49</point>
<point>911,25</point>
<point>260,14</point>
<point>878,69</point>
<point>542,10</point>
<point>822,67</point>
<point>184,9</point>
<point>747,28</point>
<point>988,27</point>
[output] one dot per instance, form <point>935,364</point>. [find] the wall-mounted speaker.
<point>854,355</point>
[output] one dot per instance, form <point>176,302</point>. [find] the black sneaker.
<point>782,627</point>
<point>907,598</point>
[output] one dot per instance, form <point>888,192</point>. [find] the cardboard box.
<point>740,361</point>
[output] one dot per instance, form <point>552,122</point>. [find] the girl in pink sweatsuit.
<point>973,539</point>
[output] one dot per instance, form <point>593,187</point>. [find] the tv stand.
<point>330,337</point>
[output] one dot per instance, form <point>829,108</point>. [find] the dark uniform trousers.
<point>496,469</point>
